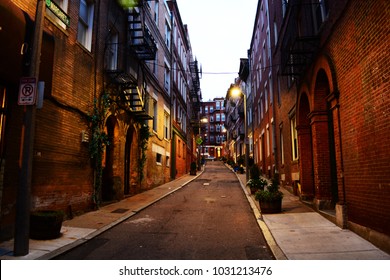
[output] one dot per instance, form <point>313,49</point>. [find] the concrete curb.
<point>277,252</point>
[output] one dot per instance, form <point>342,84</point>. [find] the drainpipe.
<point>276,171</point>
<point>172,152</point>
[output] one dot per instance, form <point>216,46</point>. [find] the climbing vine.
<point>144,135</point>
<point>98,142</point>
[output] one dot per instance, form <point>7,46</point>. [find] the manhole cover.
<point>120,211</point>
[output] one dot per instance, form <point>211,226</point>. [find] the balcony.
<point>301,36</point>
<point>141,40</point>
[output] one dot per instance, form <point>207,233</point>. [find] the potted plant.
<point>256,184</point>
<point>46,224</point>
<point>193,168</point>
<point>270,199</point>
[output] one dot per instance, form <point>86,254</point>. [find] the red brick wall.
<point>181,157</point>
<point>359,49</point>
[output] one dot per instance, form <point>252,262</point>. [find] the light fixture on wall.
<point>84,136</point>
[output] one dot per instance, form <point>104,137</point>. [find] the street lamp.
<point>237,92</point>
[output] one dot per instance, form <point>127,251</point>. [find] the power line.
<point>216,73</point>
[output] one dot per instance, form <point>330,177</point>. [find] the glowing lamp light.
<point>236,92</point>
<point>129,3</point>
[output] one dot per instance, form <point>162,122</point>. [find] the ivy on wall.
<point>98,142</point>
<point>144,135</point>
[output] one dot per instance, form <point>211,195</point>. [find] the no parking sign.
<point>27,91</point>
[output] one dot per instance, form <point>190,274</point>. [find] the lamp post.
<point>235,91</point>
<point>200,140</point>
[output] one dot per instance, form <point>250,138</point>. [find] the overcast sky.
<point>220,34</point>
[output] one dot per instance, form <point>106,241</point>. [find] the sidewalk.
<point>297,233</point>
<point>300,233</point>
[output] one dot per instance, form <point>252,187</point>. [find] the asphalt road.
<point>209,219</point>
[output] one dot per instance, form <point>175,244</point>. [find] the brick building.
<point>213,131</point>
<point>185,97</point>
<point>327,83</point>
<point>104,131</point>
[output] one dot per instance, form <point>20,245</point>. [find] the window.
<point>271,90</point>
<point>222,117</point>
<point>167,77</point>
<point>155,115</point>
<point>217,105</point>
<point>112,51</point>
<point>84,35</point>
<point>158,159</point>
<point>279,90</point>
<point>218,117</point>
<point>281,144</point>
<point>166,125</point>
<point>284,6</point>
<point>167,34</point>
<point>156,8</point>
<point>3,110</point>
<point>276,32</point>
<point>206,110</point>
<point>261,107</point>
<point>211,118</point>
<point>321,13</point>
<point>261,146</point>
<point>266,97</point>
<point>211,109</point>
<point>268,141</point>
<point>211,128</point>
<point>294,138</point>
<point>167,161</point>
<point>155,65</point>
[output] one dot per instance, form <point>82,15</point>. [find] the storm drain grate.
<point>120,211</point>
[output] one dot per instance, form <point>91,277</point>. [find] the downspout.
<point>276,170</point>
<point>172,152</point>
<point>252,103</point>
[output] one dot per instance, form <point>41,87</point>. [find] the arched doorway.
<point>128,152</point>
<point>108,191</point>
<point>305,149</point>
<point>324,159</point>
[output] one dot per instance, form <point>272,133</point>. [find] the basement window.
<point>158,159</point>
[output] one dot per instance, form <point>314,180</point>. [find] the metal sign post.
<point>23,201</point>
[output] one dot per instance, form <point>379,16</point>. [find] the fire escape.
<point>301,36</point>
<point>195,94</point>
<point>130,94</point>
<point>140,39</point>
